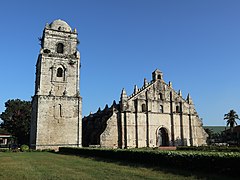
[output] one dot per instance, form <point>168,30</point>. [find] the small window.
<point>60,48</point>
<point>59,72</point>
<point>159,76</point>
<point>161,108</point>
<point>177,109</point>
<point>143,107</point>
<point>161,96</point>
<point>60,110</point>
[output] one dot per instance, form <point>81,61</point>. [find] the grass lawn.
<point>45,165</point>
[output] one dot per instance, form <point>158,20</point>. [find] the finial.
<point>135,89</point>
<point>145,82</point>
<point>106,107</point>
<point>170,84</point>
<point>75,30</point>
<point>189,99</point>
<point>114,103</point>
<point>123,94</point>
<point>180,92</point>
<point>124,91</point>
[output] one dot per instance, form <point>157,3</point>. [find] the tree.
<point>213,137</point>
<point>16,119</point>
<point>231,118</point>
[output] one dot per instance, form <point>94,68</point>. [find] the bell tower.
<point>56,104</point>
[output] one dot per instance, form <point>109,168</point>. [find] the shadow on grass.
<point>165,169</point>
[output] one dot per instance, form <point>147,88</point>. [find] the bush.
<point>14,148</point>
<point>4,150</point>
<point>24,148</point>
<point>218,162</point>
<point>47,150</point>
<point>209,148</point>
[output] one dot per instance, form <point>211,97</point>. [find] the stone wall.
<point>58,127</point>
<point>57,105</point>
<point>141,119</point>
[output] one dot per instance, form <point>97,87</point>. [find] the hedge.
<point>210,148</point>
<point>4,150</point>
<point>217,162</point>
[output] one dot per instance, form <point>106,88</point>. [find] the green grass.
<point>45,165</point>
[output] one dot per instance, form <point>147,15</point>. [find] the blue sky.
<point>195,43</point>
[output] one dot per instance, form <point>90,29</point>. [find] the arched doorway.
<point>162,137</point>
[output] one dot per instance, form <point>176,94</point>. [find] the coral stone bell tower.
<point>56,104</point>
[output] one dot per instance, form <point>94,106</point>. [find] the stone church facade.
<point>154,115</point>
<point>57,105</point>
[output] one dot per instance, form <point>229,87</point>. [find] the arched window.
<point>159,76</point>
<point>177,109</point>
<point>161,108</point>
<point>161,96</point>
<point>143,107</point>
<point>60,47</point>
<point>59,72</point>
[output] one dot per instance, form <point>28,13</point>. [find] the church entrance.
<point>162,137</point>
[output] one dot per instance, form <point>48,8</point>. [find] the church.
<point>152,116</point>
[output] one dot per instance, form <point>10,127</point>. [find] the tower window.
<point>60,47</point>
<point>161,108</point>
<point>159,76</point>
<point>59,72</point>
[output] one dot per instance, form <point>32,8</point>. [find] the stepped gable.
<point>158,77</point>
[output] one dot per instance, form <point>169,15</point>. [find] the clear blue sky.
<point>195,43</point>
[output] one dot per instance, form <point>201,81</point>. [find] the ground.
<point>45,165</point>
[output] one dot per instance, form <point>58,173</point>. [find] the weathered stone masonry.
<point>56,104</point>
<point>154,115</point>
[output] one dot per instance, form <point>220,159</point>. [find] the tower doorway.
<point>162,137</point>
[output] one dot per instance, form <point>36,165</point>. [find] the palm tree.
<point>231,118</point>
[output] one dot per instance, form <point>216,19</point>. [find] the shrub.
<point>47,150</point>
<point>210,148</point>
<point>4,150</point>
<point>218,162</point>
<point>24,148</point>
